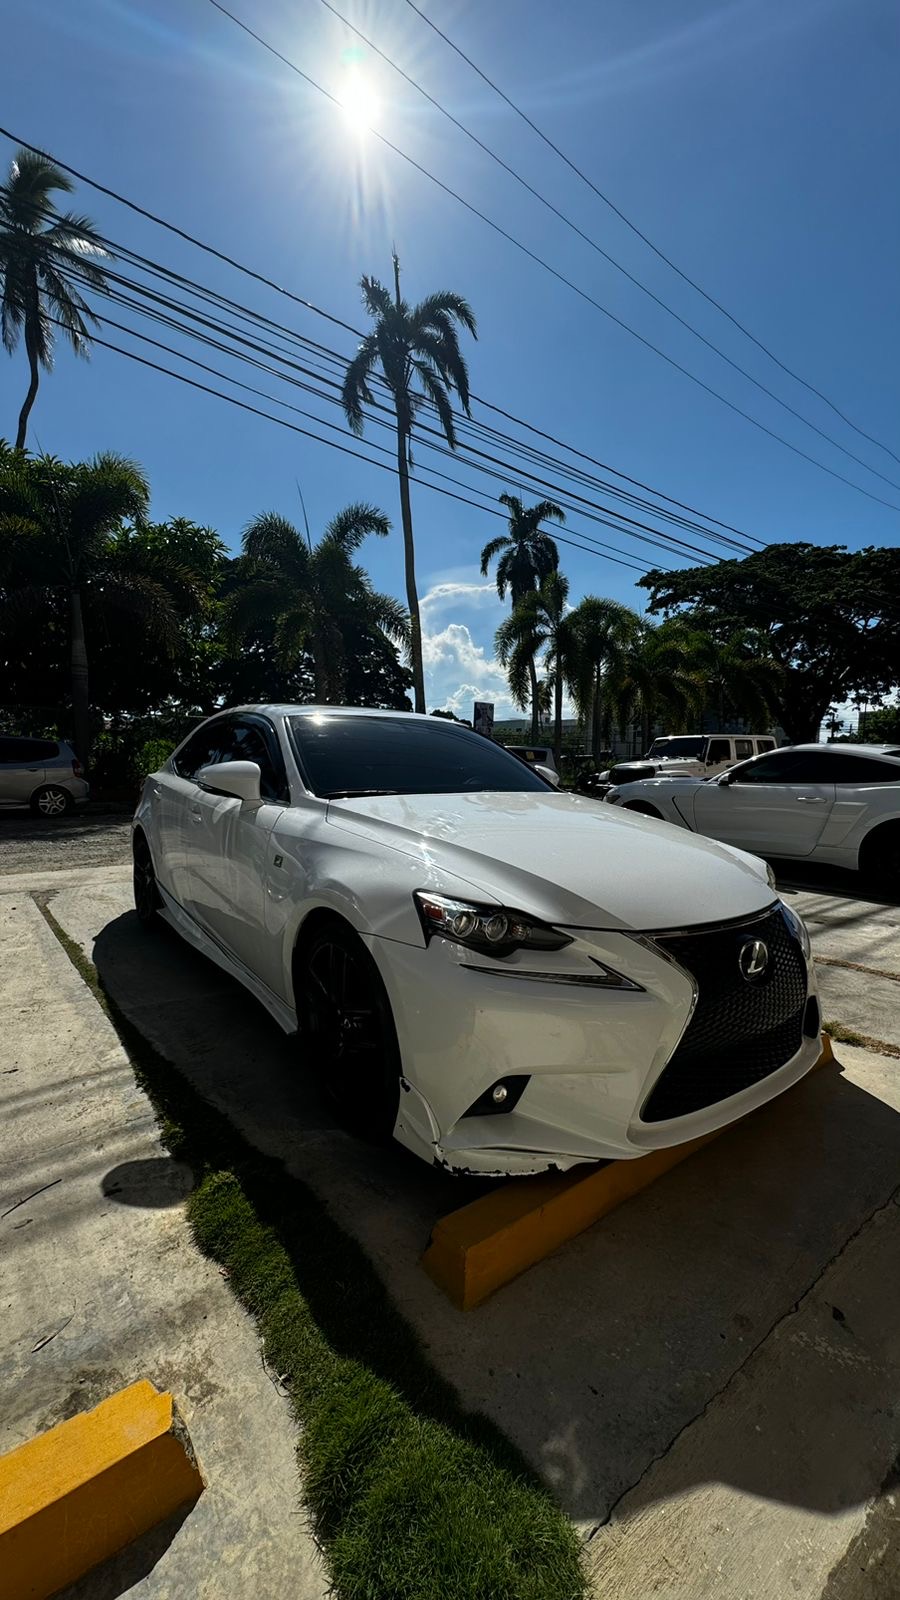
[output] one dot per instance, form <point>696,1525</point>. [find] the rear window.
<point>27,751</point>
<point>341,755</point>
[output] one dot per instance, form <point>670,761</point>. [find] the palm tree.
<point>321,602</point>
<point>653,675</point>
<point>603,630</point>
<point>739,675</point>
<point>61,527</point>
<point>541,621</point>
<point>527,557</point>
<point>413,346</point>
<point>43,253</point>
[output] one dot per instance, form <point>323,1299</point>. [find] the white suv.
<point>701,755</point>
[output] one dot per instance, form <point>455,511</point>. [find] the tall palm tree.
<point>653,675</point>
<point>417,350</point>
<point>321,602</point>
<point>541,621</point>
<point>60,526</point>
<point>527,556</point>
<point>603,631</point>
<point>43,253</point>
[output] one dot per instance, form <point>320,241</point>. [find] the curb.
<point>476,1250</point>
<point>78,1493</point>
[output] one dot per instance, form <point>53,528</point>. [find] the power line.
<point>308,305</point>
<point>501,476</point>
<point>202,291</point>
<point>685,277</point>
<point>611,259</point>
<point>555,273</point>
<point>331,443</point>
<point>633,528</point>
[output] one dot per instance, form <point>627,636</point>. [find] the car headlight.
<point>798,929</point>
<point>491,929</point>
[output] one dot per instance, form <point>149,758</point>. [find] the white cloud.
<point>442,595</point>
<point>459,671</point>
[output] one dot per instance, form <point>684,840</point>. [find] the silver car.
<point>44,774</point>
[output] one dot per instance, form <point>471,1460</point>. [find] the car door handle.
<point>196,816</point>
<point>810,799</point>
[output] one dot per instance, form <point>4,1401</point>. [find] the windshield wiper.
<point>354,794</point>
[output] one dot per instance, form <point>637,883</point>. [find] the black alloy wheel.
<point>146,894</point>
<point>348,1029</point>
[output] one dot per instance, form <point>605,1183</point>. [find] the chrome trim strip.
<point>585,979</point>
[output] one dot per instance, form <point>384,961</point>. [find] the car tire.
<point>52,801</point>
<point>347,1028</point>
<point>880,857</point>
<point>643,807</point>
<point>147,901</point>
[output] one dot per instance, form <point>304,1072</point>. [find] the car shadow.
<point>817,878</point>
<point>597,1359</point>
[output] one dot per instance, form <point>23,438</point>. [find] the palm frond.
<point>492,549</point>
<point>376,298</point>
<point>351,526</point>
<point>356,392</point>
<point>272,539</point>
<point>437,394</point>
<point>444,303</point>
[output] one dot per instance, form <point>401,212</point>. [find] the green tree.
<point>527,555</point>
<point>654,676</point>
<point>63,570</point>
<point>881,725</point>
<point>43,254</point>
<point>321,603</point>
<point>417,351</point>
<point>540,622</point>
<point>603,631</point>
<point>828,617</point>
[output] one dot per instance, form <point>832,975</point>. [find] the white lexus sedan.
<point>838,804</point>
<point>504,977</point>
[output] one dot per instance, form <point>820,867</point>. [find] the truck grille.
<point>740,1032</point>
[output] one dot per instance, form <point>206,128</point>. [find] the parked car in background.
<point>838,804</point>
<point>691,755</point>
<point>534,755</point>
<point>43,774</point>
<point>504,977</point>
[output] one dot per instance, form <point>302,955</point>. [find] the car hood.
<point>571,861</point>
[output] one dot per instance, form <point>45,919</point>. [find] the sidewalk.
<point>101,1284</point>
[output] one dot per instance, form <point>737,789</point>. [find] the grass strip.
<point>412,1496</point>
<point>862,1040</point>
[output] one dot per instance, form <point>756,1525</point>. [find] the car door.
<point>228,846</point>
<point>718,756</point>
<point>171,792</point>
<point>21,769</point>
<point>777,804</point>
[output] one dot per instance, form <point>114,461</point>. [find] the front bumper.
<point>590,1056</point>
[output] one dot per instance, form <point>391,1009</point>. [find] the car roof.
<point>286,709</point>
<point>889,750</point>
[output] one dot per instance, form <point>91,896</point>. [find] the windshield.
<point>690,746</point>
<point>346,756</point>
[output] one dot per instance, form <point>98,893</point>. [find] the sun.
<point>360,101</point>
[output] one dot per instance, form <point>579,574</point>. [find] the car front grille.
<point>740,1031</point>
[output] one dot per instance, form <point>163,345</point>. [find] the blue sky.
<point>754,140</point>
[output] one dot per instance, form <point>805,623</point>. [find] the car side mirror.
<point>240,779</point>
<point>548,774</point>
<point>725,778</point>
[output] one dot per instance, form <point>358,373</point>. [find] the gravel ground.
<point>88,839</point>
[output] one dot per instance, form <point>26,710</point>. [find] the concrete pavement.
<point>709,1378</point>
<point>101,1284</point>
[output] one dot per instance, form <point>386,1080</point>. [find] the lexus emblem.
<point>753,960</point>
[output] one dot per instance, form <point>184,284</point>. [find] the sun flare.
<point>360,102</point>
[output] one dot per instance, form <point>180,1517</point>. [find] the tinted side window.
<point>744,748</point>
<point>720,750</point>
<point>254,740</point>
<point>202,749</point>
<point>779,767</point>
<point>765,744</point>
<point>863,769</point>
<point>28,752</point>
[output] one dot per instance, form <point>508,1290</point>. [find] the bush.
<point>151,756</point>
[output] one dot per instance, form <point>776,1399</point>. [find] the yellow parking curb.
<point>77,1494</point>
<point>484,1245</point>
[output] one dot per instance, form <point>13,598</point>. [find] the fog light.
<point>499,1094</point>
